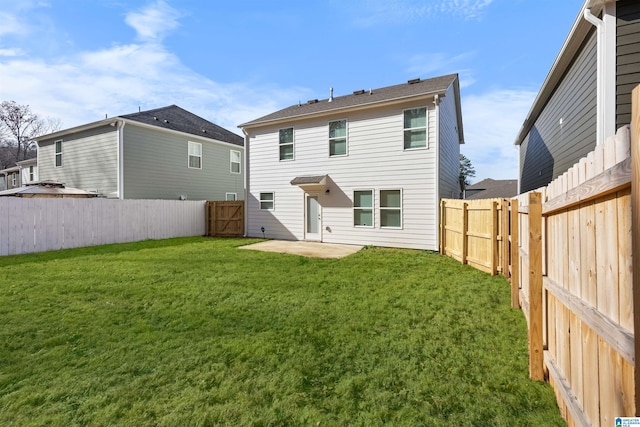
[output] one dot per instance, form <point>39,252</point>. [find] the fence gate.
<point>225,218</point>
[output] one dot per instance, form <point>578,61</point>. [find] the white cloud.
<point>10,24</point>
<point>491,124</point>
<point>11,52</point>
<point>372,12</point>
<point>154,22</point>
<point>82,87</point>
<point>431,64</point>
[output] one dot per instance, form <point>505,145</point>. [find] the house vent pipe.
<point>330,94</point>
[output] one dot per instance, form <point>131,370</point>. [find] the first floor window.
<point>31,174</point>
<point>363,208</point>
<point>14,179</point>
<point>391,208</point>
<point>285,142</point>
<point>58,150</point>
<point>235,161</point>
<point>231,197</point>
<point>195,155</point>
<point>338,138</point>
<point>415,128</point>
<point>266,201</point>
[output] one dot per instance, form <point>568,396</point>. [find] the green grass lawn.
<point>194,332</point>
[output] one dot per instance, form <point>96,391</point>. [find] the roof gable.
<point>181,120</point>
<point>360,99</point>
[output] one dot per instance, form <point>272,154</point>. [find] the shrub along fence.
<point>43,224</point>
<point>568,253</point>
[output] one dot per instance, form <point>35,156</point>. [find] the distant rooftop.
<point>492,188</point>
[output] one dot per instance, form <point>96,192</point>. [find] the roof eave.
<point>572,43</point>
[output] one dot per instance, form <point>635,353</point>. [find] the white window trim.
<point>56,154</point>
<point>425,127</point>
<point>226,197</point>
<point>390,208</point>
<point>189,155</point>
<point>346,137</point>
<point>231,162</point>
<point>372,208</point>
<point>273,200</point>
<point>293,144</point>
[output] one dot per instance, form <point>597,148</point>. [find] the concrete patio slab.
<point>307,249</point>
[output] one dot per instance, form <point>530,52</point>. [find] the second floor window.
<point>285,139</point>
<point>195,155</point>
<point>58,150</point>
<point>338,138</point>
<point>415,128</point>
<point>235,161</point>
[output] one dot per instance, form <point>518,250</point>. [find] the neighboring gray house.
<point>165,153</point>
<point>586,96</point>
<point>366,168</point>
<point>10,178</point>
<point>491,189</point>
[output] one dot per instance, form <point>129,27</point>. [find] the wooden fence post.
<point>443,226</point>
<point>515,255</point>
<point>465,230</point>
<point>635,233</point>
<point>536,350</point>
<point>505,238</point>
<point>494,238</point>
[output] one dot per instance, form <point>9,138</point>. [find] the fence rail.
<point>36,225</point>
<point>567,250</point>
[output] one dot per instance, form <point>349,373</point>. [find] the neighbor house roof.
<point>179,119</point>
<point>493,188</point>
<point>171,118</point>
<point>578,34</point>
<point>367,98</point>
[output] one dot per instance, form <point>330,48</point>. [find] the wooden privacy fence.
<point>44,224</point>
<point>225,218</point>
<point>567,249</point>
<point>472,231</point>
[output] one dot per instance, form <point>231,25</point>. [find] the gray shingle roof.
<point>417,87</point>
<point>179,119</point>
<point>494,188</point>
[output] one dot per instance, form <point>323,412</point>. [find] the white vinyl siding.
<point>376,160</point>
<point>58,151</point>
<point>286,144</point>
<point>195,155</point>
<point>391,208</point>
<point>363,208</point>
<point>415,128</point>
<point>267,202</point>
<point>338,140</point>
<point>235,161</point>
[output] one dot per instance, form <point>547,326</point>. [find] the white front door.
<point>312,221</point>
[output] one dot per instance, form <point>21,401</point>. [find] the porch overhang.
<point>314,182</point>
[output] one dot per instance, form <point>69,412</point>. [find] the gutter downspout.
<point>120,135</point>
<point>246,183</point>
<point>606,72</point>
<point>436,101</point>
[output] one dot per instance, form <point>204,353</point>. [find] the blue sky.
<point>234,61</point>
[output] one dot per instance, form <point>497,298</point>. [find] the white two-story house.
<point>367,168</point>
